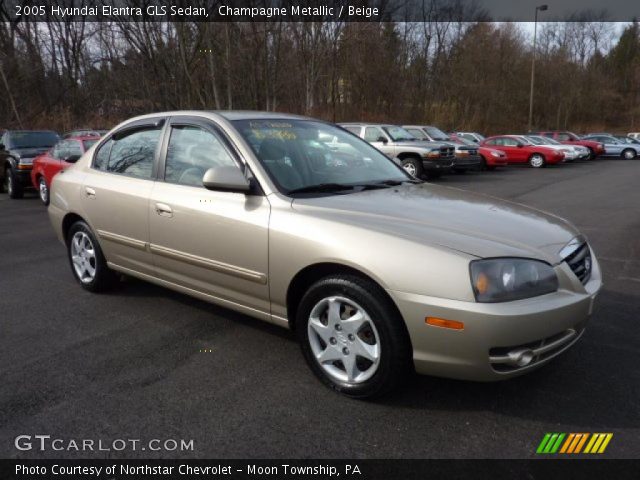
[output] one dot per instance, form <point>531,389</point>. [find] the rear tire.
<point>537,161</point>
<point>352,336</point>
<point>628,154</point>
<point>87,261</point>
<point>413,166</point>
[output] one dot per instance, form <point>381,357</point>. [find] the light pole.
<point>541,8</point>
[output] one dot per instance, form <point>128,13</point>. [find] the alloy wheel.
<point>83,256</point>
<point>629,154</point>
<point>8,182</point>
<point>43,190</point>
<point>410,168</point>
<point>344,340</point>
<point>536,161</point>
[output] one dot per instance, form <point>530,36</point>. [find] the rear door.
<point>116,193</point>
<point>213,242</point>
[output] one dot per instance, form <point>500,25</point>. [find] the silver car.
<point>377,273</point>
<point>614,147</point>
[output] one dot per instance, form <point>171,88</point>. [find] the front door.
<point>213,242</point>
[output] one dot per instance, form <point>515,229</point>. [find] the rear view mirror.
<point>72,158</point>
<point>226,179</point>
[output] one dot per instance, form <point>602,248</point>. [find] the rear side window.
<point>131,154</point>
<point>354,130</point>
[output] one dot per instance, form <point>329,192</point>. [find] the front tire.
<point>87,261</point>
<point>12,185</point>
<point>628,154</point>
<point>537,161</point>
<point>413,166</point>
<point>43,190</point>
<point>352,336</point>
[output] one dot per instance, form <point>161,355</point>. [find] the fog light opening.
<point>521,358</point>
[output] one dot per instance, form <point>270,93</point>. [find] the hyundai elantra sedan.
<point>377,273</point>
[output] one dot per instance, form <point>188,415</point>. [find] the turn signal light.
<point>441,322</point>
<point>22,166</point>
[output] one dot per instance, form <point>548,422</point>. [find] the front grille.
<point>447,152</point>
<point>503,359</point>
<point>580,262</point>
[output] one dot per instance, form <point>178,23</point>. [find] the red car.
<point>64,153</point>
<point>491,157</point>
<point>520,150</point>
<point>570,138</point>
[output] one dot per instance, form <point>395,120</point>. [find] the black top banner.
<point>318,10</point>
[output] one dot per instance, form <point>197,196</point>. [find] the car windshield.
<point>32,139</point>
<point>398,134</point>
<point>545,140</point>
<point>525,140</point>
<point>89,143</point>
<point>436,133</point>
<point>297,154</point>
<point>465,141</point>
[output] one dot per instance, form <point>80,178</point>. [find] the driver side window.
<point>372,134</point>
<point>191,152</point>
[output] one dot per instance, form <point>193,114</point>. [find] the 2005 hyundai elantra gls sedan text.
<point>300,223</point>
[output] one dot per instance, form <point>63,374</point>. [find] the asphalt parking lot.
<point>132,363</point>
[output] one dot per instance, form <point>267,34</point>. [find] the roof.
<point>82,137</point>
<point>251,114</point>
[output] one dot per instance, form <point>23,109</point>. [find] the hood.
<point>28,152</point>
<point>423,144</point>
<point>474,224</point>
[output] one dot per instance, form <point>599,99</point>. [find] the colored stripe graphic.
<point>575,442</point>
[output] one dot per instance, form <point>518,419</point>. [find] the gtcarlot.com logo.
<point>47,442</point>
<point>574,443</point>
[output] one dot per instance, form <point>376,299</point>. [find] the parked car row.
<point>32,158</point>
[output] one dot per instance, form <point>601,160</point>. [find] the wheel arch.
<point>68,220</point>
<point>310,274</point>
<point>405,155</point>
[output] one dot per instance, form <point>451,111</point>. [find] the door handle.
<point>164,210</point>
<point>90,192</point>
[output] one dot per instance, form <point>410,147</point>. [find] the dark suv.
<point>18,148</point>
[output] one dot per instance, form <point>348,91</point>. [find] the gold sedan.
<point>300,223</point>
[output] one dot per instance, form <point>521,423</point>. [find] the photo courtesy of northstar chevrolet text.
<point>309,239</point>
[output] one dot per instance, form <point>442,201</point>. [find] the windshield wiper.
<point>322,187</point>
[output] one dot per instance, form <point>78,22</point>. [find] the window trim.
<point>214,128</point>
<point>159,123</point>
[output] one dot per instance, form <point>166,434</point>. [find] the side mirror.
<point>1,146</point>
<point>382,139</point>
<point>226,179</point>
<point>520,145</point>
<point>72,158</point>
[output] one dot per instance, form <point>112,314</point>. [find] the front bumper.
<point>470,161</point>
<point>439,164</point>
<point>23,176</point>
<point>493,330</point>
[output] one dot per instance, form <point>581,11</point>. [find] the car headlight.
<point>495,154</point>
<point>507,279</point>
<point>431,153</point>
